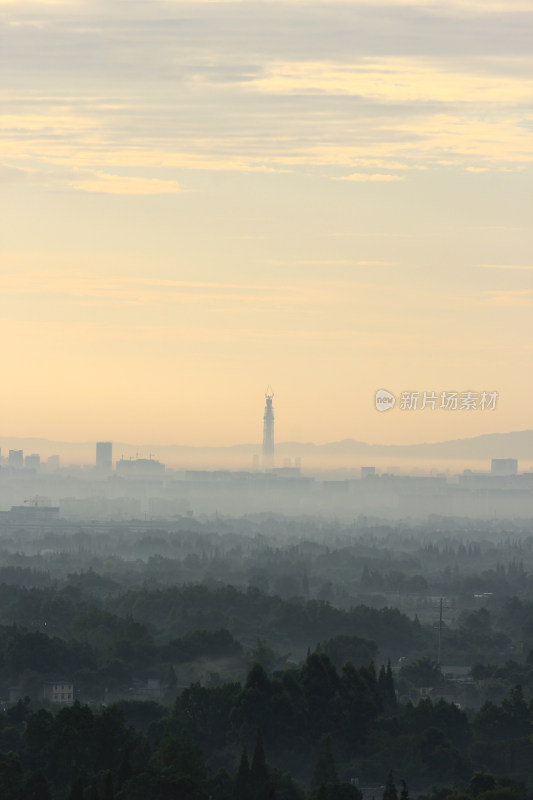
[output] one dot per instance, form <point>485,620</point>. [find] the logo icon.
<point>384,400</point>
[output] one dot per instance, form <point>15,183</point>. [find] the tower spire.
<point>268,430</point>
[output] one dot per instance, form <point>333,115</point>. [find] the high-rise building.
<point>104,456</point>
<point>504,466</point>
<point>53,463</point>
<point>33,461</point>
<point>16,459</point>
<point>268,431</point>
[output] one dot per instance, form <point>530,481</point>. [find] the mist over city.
<point>266,442</point>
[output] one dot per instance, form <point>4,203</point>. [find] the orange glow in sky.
<point>200,199</point>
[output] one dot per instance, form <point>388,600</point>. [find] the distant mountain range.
<point>517,444</point>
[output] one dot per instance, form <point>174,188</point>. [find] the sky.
<point>201,199</point>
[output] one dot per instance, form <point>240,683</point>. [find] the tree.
<point>125,770</point>
<point>481,782</point>
<point>241,785</point>
<point>170,683</point>
<point>191,760</point>
<point>109,793</point>
<point>11,776</point>
<point>37,788</point>
<point>325,771</point>
<point>386,690</point>
<point>259,778</point>
<point>76,790</point>
<point>357,651</point>
<point>264,655</point>
<point>390,792</point>
<point>423,672</point>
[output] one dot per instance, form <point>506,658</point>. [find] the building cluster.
<point>139,488</point>
<point>17,460</point>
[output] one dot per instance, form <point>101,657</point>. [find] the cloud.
<point>506,266</point>
<point>370,177</point>
<point>479,6</point>
<point>82,284</point>
<point>105,183</point>
<point>88,289</point>
<point>395,79</point>
<point>516,297</point>
<point>326,262</point>
<point>9,174</point>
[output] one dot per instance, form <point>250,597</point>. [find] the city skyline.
<point>473,453</point>
<point>200,198</point>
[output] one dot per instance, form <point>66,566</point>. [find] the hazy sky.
<point>203,198</point>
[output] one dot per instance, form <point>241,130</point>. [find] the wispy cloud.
<point>84,283</point>
<point>394,79</point>
<point>325,262</point>
<point>486,6</point>
<point>518,297</point>
<point>90,289</point>
<point>507,266</point>
<point>105,183</point>
<point>376,177</point>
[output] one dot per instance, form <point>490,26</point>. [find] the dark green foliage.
<point>390,792</point>
<point>513,719</point>
<point>423,673</point>
<point>386,690</point>
<point>178,764</point>
<point>357,651</point>
<point>11,776</point>
<point>170,684</point>
<point>220,786</point>
<point>320,686</point>
<point>259,777</point>
<point>430,742</point>
<point>442,761</point>
<point>37,788</point>
<point>76,789</point>
<point>325,770</point>
<point>339,791</point>
<point>126,638</point>
<point>20,711</point>
<point>446,717</point>
<point>32,650</point>
<point>94,742</point>
<point>206,712</point>
<point>284,786</point>
<point>140,713</point>
<point>125,770</point>
<point>242,783</point>
<point>204,644</point>
<point>481,782</point>
<point>108,792</point>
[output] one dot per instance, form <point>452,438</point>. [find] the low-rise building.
<point>60,691</point>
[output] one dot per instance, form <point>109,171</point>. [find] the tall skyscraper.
<point>104,456</point>
<point>268,431</point>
